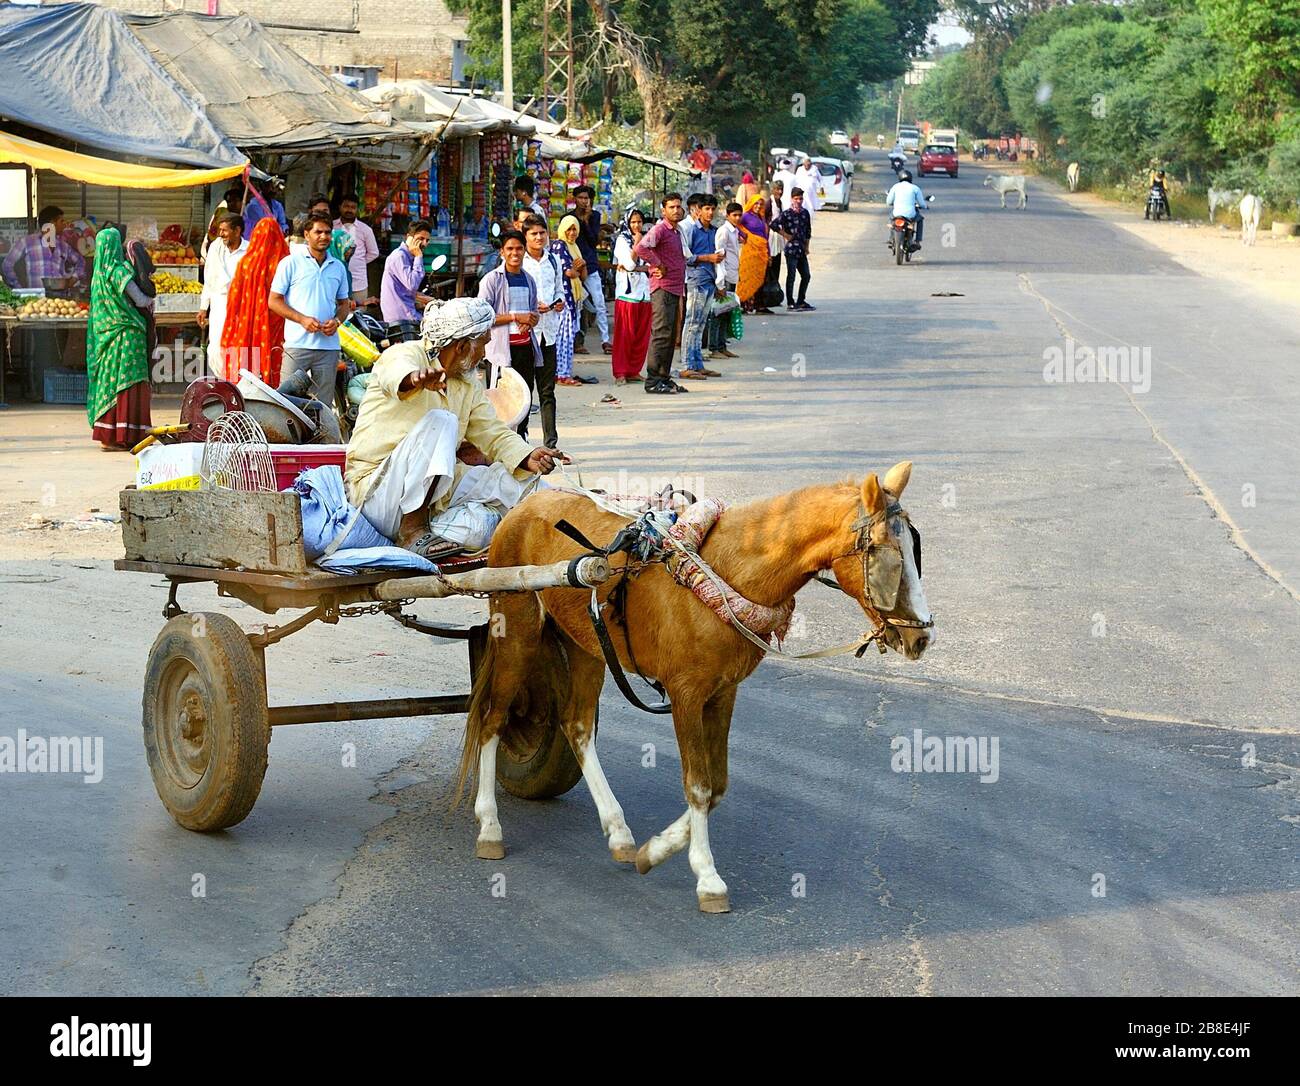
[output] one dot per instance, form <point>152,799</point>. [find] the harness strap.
<point>616,669</point>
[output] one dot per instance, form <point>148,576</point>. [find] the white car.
<point>839,138</point>
<point>837,183</point>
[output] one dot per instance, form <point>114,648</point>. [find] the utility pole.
<point>557,57</point>
<point>507,57</point>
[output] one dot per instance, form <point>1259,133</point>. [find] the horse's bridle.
<point>878,598</point>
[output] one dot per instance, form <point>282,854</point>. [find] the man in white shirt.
<point>219,265</point>
<point>367,248</point>
<point>727,242</point>
<point>544,267</point>
<point>809,178</point>
<point>785,175</point>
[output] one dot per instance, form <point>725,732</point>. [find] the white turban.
<point>458,318</point>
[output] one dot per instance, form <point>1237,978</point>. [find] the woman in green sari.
<point>117,360</point>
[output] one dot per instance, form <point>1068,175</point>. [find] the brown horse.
<point>766,550</point>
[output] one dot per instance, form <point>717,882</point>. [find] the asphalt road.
<point>1108,610</point>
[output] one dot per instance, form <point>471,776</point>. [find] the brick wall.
<point>417,34</point>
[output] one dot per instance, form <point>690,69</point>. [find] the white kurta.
<point>810,181</point>
<point>218,270</point>
<point>788,182</point>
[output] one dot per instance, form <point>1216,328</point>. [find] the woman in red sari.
<point>253,338</point>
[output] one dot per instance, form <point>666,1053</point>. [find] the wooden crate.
<point>222,529</point>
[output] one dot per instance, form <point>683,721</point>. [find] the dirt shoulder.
<point>1270,268</point>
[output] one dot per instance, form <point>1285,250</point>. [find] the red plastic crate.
<point>288,460</point>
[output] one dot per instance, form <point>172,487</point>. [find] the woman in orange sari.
<point>253,338</point>
<point>753,254</point>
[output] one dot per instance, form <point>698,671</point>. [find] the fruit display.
<point>167,283</point>
<point>47,308</point>
<point>172,252</point>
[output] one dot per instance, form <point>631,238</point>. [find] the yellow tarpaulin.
<point>105,171</point>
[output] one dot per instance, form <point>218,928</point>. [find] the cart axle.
<point>280,715</point>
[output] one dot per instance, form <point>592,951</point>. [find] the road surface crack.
<point>1207,495</point>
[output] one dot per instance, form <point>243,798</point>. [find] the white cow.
<point>1250,207</point>
<point>1072,175</point>
<point>1223,198</point>
<point>1004,183</point>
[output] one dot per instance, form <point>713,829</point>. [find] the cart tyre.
<point>548,767</point>
<point>206,728</point>
<point>550,771</point>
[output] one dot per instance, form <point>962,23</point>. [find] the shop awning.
<point>106,171</point>
<point>76,72</point>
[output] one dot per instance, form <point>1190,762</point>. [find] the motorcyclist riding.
<point>906,200</point>
<point>897,157</point>
<point>1156,181</point>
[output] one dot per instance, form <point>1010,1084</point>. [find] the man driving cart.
<point>422,408</point>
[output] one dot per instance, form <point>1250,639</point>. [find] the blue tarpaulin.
<point>78,73</point>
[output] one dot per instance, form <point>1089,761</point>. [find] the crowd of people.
<point>675,280</point>
<point>276,291</point>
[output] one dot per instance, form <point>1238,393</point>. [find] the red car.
<point>936,157</point>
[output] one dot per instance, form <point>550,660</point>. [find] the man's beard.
<point>459,367</point>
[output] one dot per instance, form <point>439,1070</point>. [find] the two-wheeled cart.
<point>206,713</point>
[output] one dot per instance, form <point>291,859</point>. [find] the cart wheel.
<point>205,721</point>
<point>534,759</point>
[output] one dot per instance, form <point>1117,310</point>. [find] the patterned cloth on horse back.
<point>691,528</point>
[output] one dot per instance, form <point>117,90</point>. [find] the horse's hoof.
<point>626,854</point>
<point>714,903</point>
<point>643,864</point>
<point>490,850</point>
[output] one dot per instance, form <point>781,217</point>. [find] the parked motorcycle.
<point>1157,204</point>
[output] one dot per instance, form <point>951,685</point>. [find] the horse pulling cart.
<point>206,713</point>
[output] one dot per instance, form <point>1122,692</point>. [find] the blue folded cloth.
<point>336,536</point>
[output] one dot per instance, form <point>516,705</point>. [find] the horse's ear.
<point>873,497</point>
<point>897,476</point>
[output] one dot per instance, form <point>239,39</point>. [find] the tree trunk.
<point>647,75</point>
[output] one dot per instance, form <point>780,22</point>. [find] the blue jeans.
<point>697,313</point>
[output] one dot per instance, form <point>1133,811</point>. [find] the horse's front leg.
<point>579,723</point>
<point>703,796</point>
<point>701,735</point>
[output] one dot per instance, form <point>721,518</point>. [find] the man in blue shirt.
<point>700,286</point>
<point>265,206</point>
<point>906,200</point>
<point>312,291</point>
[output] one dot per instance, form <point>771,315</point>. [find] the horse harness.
<point>644,541</point>
<point>882,570</point>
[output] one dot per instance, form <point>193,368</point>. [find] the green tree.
<point>1260,77</point>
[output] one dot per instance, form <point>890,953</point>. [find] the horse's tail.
<point>479,697</point>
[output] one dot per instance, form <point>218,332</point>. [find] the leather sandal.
<point>432,546</point>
